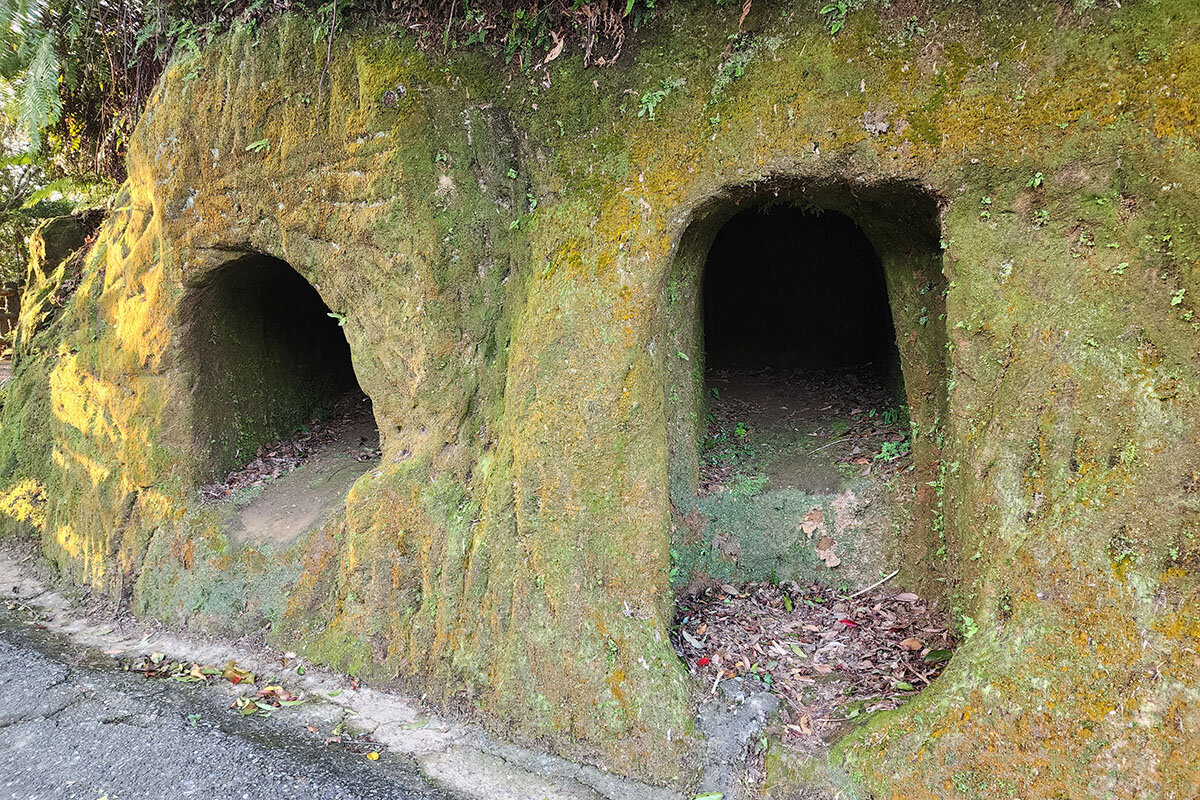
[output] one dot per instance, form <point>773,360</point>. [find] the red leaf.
<point>848,623</point>
<point>702,662</point>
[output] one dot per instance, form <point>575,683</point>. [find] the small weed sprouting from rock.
<point>650,101</point>
<point>835,15</point>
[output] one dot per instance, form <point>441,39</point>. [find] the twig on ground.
<point>874,585</point>
<point>829,444</point>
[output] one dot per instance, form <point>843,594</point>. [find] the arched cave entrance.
<point>792,295</point>
<point>807,344</point>
<point>274,393</point>
<point>805,385</point>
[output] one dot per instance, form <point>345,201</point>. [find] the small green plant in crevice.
<point>743,48</point>
<point>912,29</point>
<point>1121,547</point>
<point>262,145</point>
<point>1004,607</point>
<point>835,15</point>
<point>650,101</point>
<point>1036,181</point>
<point>938,523</point>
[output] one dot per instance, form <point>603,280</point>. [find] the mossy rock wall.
<point>501,250</point>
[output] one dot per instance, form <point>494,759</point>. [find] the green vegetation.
<point>25,199</point>
<point>650,100</point>
<point>890,451</point>
<point>835,14</point>
<point>744,48</point>
<point>80,73</point>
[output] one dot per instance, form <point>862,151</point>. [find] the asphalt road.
<point>72,725</point>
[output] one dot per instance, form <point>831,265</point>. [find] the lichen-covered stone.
<point>501,248</point>
<point>51,272</point>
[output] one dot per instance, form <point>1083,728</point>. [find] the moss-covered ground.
<point>790,461</point>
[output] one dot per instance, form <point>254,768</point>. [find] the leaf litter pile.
<point>263,701</point>
<point>254,701</point>
<point>829,659</point>
<point>353,411</point>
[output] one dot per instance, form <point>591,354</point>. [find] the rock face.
<point>51,269</point>
<point>515,266</point>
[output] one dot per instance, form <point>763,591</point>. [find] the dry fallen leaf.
<point>557,49</point>
<point>813,520</point>
<point>911,644</point>
<point>825,552</point>
<point>907,597</point>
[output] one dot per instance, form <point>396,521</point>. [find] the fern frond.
<point>20,27</point>
<point>76,193</point>
<point>40,102</point>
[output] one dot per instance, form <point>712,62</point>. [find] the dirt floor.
<point>804,476</point>
<point>803,430</point>
<point>293,484</point>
